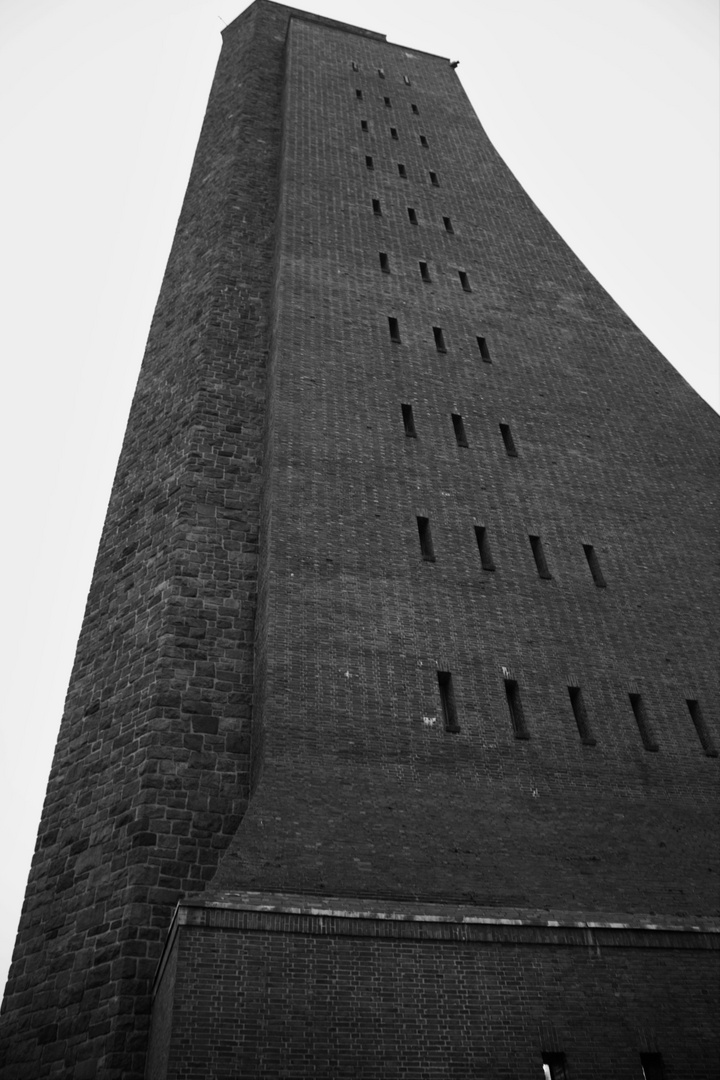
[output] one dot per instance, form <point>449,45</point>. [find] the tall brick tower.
<point>390,744</point>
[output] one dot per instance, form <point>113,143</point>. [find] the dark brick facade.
<point>268,425</point>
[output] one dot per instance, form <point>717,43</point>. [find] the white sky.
<point>607,113</point>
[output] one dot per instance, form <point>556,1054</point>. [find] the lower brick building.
<point>390,747</point>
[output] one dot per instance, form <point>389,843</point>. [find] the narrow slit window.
<point>459,429</point>
<point>464,281</point>
<point>486,559</point>
<point>381,73</point>
<point>423,141</point>
<point>384,262</point>
<point>508,440</point>
<point>358,95</point>
<point>412,215</point>
<point>403,171</point>
<point>369,162</point>
<point>439,339</point>
<point>406,80</point>
<point>394,134</point>
<point>388,103</point>
<point>434,179</point>
<point>701,727</point>
<point>363,125</point>
<point>652,1066</point>
<point>377,209</point>
<point>577,702</point>
<point>354,66</point>
<point>643,723</point>
<point>409,421</point>
<point>426,545</point>
<point>539,556</point>
<point>517,716</point>
<point>484,351</point>
<point>448,225</point>
<point>394,330</point>
<point>424,272</point>
<point>594,564</point>
<point>447,700</point>
<point>415,110</point>
<point>554,1067</point>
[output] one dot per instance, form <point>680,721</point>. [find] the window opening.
<point>484,351</point>
<point>387,102</point>
<point>381,73</point>
<point>554,1067</point>
<point>701,727</point>
<point>402,170</point>
<point>486,559</point>
<point>412,215</point>
<point>581,717</point>
<point>517,716</point>
<point>447,699</point>
<point>459,428</point>
<point>384,262</point>
<point>539,556</point>
<point>448,225</point>
<point>439,339</point>
<point>423,141</point>
<point>426,545</point>
<point>508,440</point>
<point>394,134</point>
<point>643,723</point>
<point>406,80</point>
<point>354,66</point>
<point>377,211</point>
<point>594,565</point>
<point>394,330</point>
<point>464,281</point>
<point>363,125</point>
<point>358,95</point>
<point>652,1066</point>
<point>369,162</point>
<point>424,272</point>
<point>434,180</point>
<point>415,110</point>
<point>409,421</point>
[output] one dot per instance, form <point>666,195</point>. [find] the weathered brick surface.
<point>356,787</point>
<point>363,792</point>
<point>303,997</point>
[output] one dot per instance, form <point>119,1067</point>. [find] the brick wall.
<point>270,994</point>
<point>363,791</point>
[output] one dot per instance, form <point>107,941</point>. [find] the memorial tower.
<point>390,748</point>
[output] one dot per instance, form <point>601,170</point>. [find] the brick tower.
<point>390,744</point>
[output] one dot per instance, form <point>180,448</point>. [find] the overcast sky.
<point>607,112</point>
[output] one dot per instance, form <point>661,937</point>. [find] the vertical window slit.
<point>439,339</point>
<point>426,545</point>
<point>701,727</point>
<point>358,95</point>
<point>447,700</point>
<point>517,716</point>
<point>402,171</point>
<point>459,428</point>
<point>484,351</point>
<point>369,162</point>
<point>377,211</point>
<point>434,180</point>
<point>388,104</point>
<point>409,421</point>
<point>384,262</point>
<point>643,722</point>
<point>412,215</point>
<point>363,125</point>
<point>652,1066</point>
<point>394,134</point>
<point>448,225</point>
<point>594,565</point>
<point>539,556</point>
<point>464,281</point>
<point>424,272</point>
<point>508,440</point>
<point>577,702</point>
<point>415,109</point>
<point>394,330</point>
<point>354,66</point>
<point>486,559</point>
<point>423,141</point>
